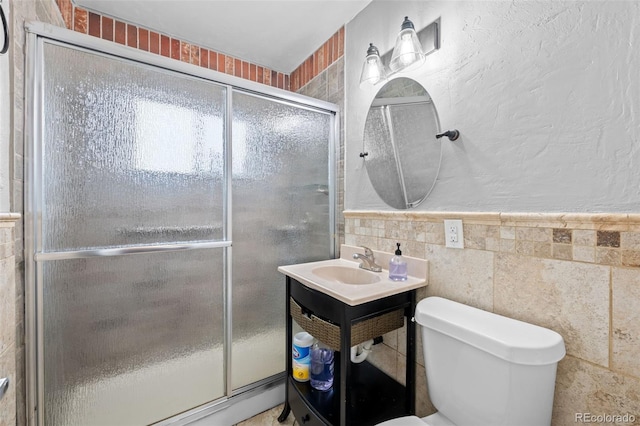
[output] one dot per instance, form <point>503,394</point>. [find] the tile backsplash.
<point>577,274</point>
<point>8,341</point>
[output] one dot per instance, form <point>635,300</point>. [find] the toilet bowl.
<point>483,368</point>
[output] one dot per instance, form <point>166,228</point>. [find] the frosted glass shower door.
<point>281,215</point>
<point>129,239</point>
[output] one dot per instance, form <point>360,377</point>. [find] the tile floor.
<point>269,418</point>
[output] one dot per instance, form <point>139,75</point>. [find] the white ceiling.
<point>278,34</point>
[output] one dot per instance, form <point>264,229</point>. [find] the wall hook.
<point>451,134</point>
<point>363,154</point>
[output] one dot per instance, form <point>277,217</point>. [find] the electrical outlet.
<point>453,235</point>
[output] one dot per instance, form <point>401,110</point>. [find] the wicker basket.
<point>329,333</point>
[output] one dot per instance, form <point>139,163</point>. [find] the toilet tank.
<point>486,369</point>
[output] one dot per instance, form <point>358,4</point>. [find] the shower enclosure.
<point>161,197</point>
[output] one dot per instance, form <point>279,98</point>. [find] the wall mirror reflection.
<point>401,151</point>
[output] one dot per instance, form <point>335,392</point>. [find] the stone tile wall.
<point>326,55</point>
<point>577,274</point>
<point>21,12</point>
<point>8,340</point>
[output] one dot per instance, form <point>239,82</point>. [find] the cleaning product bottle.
<point>301,356</point>
<point>398,266</point>
<point>322,368</point>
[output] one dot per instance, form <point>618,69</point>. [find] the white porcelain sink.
<point>344,280</point>
<point>346,275</point>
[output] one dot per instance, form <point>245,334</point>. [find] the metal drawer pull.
<point>4,385</point>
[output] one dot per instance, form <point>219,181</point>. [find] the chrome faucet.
<point>368,260</point>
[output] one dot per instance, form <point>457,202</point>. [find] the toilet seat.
<point>435,419</point>
<point>404,421</point>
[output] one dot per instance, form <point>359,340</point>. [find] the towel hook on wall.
<point>451,134</point>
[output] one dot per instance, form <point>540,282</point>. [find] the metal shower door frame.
<point>39,33</point>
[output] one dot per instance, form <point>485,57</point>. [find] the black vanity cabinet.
<point>361,393</point>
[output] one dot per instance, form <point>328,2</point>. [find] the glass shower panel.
<point>132,339</point>
<point>281,215</point>
<point>132,154</point>
<point>410,122</point>
<point>377,143</point>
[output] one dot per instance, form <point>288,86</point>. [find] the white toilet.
<point>485,369</point>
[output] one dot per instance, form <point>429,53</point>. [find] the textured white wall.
<point>546,95</point>
<point>5,125</point>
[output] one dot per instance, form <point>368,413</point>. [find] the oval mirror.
<point>402,151</point>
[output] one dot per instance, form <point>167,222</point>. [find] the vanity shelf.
<point>361,393</point>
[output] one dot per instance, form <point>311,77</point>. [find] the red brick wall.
<point>327,54</point>
<point>111,29</point>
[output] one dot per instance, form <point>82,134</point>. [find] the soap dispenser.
<point>398,266</point>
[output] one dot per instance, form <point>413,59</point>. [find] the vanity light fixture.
<point>372,70</point>
<point>408,53</point>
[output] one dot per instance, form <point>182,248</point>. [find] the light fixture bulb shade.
<point>372,69</point>
<point>407,53</point>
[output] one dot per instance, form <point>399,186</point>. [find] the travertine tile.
<point>465,276</point>
<point>507,245</point>
<point>524,247</point>
<point>583,237</point>
<point>493,231</point>
<point>385,358</point>
<point>608,256</point>
<point>7,304</point>
<point>434,233</point>
<point>534,234</point>
<point>401,372</point>
<point>269,418</point>
<point>391,339</point>
<point>630,257</point>
<point>562,251</point>
<point>626,320</point>
<point>477,243</point>
<point>582,387</point>
<point>492,244</point>
<point>608,239</point>
<point>402,338</point>
<point>5,234</point>
<point>508,232</point>
<point>424,407</point>
<point>569,297</point>
<point>434,228</point>
<point>350,239</point>
<point>562,236</point>
<point>475,232</point>
<point>8,402</point>
<point>630,240</point>
<point>419,348</point>
<point>584,254</point>
<point>541,249</point>
<point>396,233</point>
<point>434,238</point>
<point>377,223</point>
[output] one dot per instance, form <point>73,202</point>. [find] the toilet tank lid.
<point>512,340</point>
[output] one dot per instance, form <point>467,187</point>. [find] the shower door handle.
<point>4,385</point>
